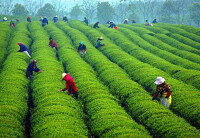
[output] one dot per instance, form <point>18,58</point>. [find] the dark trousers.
<point>29,74</point>
<point>76,94</point>
<point>43,24</point>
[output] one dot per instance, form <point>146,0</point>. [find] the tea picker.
<point>85,21</point>
<point>53,44</point>
<point>24,49</point>
<point>55,19</point>
<point>70,85</point>
<point>28,19</point>
<point>82,49</point>
<point>65,18</point>
<point>99,44</point>
<point>164,89</point>
<point>96,25</point>
<point>32,67</point>
<point>44,21</point>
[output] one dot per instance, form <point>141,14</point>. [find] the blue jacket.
<point>154,21</point>
<point>112,25</point>
<point>45,21</point>
<point>23,48</point>
<point>55,19</point>
<point>31,68</point>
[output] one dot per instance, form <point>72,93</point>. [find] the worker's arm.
<point>21,49</point>
<point>67,86</point>
<point>168,94</point>
<point>51,43</point>
<point>169,91</point>
<point>102,44</point>
<point>155,94</point>
<point>37,69</point>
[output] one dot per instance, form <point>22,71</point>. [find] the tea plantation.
<point>115,82</point>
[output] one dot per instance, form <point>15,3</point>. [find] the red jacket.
<point>70,84</point>
<point>53,44</point>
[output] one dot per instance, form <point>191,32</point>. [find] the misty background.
<point>166,11</point>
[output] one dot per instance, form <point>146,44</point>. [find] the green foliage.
<point>76,12</point>
<point>161,53</point>
<point>47,10</point>
<point>55,114</point>
<point>167,11</point>
<point>149,58</point>
<point>14,87</point>
<point>172,42</point>
<point>124,88</point>
<point>20,9</point>
<point>182,32</point>
<point>185,40</point>
<point>195,12</point>
<point>5,35</point>
<point>99,104</point>
<point>105,12</point>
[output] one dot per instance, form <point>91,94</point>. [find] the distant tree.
<point>195,13</point>
<point>19,9</point>
<point>6,6</point>
<point>180,10</point>
<point>89,9</point>
<point>144,8</point>
<point>122,11</point>
<point>48,10</point>
<point>32,6</point>
<point>76,12</point>
<point>105,12</point>
<point>60,6</point>
<point>167,11</point>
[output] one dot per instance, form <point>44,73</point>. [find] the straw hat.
<point>63,75</point>
<point>5,18</point>
<point>126,19</point>
<point>101,38</point>
<point>56,16</point>
<point>159,80</point>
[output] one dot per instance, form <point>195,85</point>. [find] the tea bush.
<point>118,81</point>
<point>14,87</point>
<point>103,109</point>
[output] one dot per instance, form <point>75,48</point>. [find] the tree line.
<point>166,11</point>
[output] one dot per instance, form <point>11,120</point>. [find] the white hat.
<point>56,16</point>
<point>5,18</point>
<point>159,80</point>
<point>126,19</point>
<point>63,75</point>
<point>101,38</point>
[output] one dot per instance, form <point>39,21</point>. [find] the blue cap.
<point>81,43</point>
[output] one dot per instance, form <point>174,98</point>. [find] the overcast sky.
<point>70,3</point>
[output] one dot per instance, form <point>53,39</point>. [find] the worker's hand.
<point>60,90</point>
<point>40,71</point>
<point>49,45</point>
